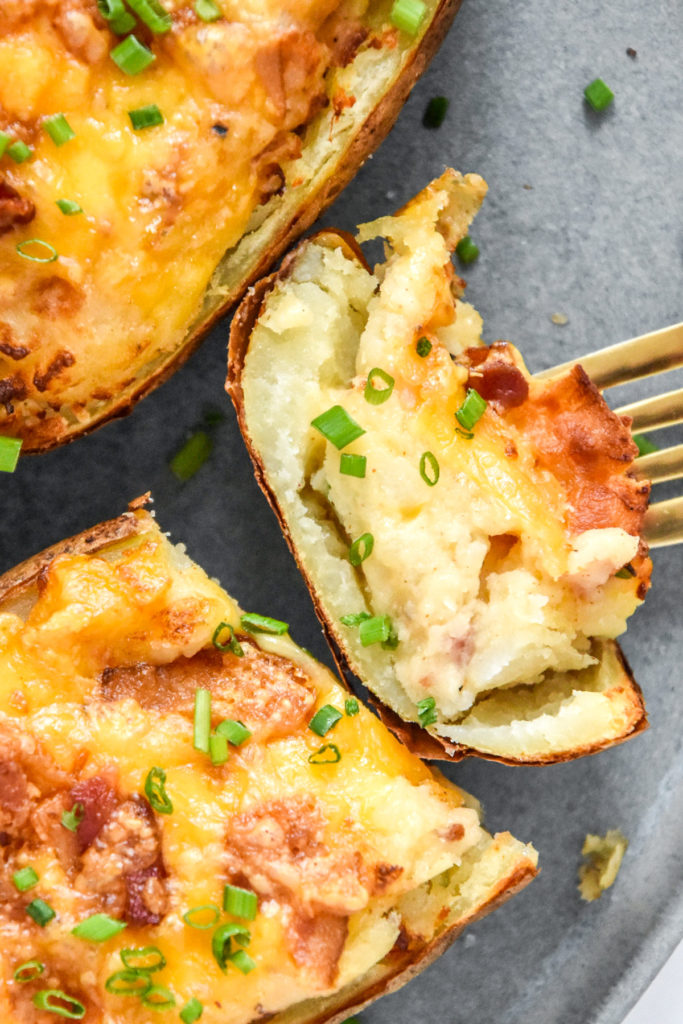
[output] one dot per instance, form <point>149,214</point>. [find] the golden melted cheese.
<point>94,686</point>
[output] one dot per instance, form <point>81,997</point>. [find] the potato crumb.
<point>604,855</point>
<point>560,319</point>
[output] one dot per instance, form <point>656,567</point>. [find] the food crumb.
<point>604,855</point>
<point>630,52</point>
<point>560,319</point>
<point>529,188</point>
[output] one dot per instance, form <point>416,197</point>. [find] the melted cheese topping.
<point>97,686</point>
<point>160,206</point>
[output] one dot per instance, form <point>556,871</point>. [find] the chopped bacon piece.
<point>316,943</point>
<point>14,209</point>
<point>496,377</point>
<point>15,800</point>
<point>99,801</point>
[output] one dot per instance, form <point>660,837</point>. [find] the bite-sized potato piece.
<point>157,175</point>
<point>471,536</point>
<point>188,789</point>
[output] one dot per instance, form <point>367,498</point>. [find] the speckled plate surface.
<point>584,217</point>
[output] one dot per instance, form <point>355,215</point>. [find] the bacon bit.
<point>341,101</point>
<point>291,68</point>
<point>15,800</point>
<point>345,41</point>
<point>147,899</point>
<point>454,832</point>
<point>99,801</point>
<point>316,944</point>
<point>14,209</point>
<point>496,377</point>
<point>61,361</point>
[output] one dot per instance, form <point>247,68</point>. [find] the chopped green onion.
<point>435,112</point>
<point>627,572</point>
<point>132,56</point>
<point>408,15</point>
<point>324,719</point>
<point>218,749</point>
<point>353,465</point>
<point>98,928</point>
<point>467,434</point>
<point>4,142</point>
<point>321,755</point>
<point>374,395</point>
<point>19,152</point>
<point>190,917</point>
<point>69,207</point>
<point>361,548</point>
<point>207,10</point>
<point>153,14</point>
<point>471,410</point>
<point>423,347</point>
<point>62,1005</point>
<point>202,720</point>
<point>29,971</point>
<point>9,453</point>
<point>158,998</point>
<point>72,819</point>
<point>375,630</point>
<point>254,623</point>
<point>128,983</point>
<point>391,642</point>
<point>144,961</point>
<point>598,95</point>
<point>242,961</point>
<point>192,456</point>
<point>221,942</point>
<point>191,1011</point>
<point>145,117</point>
<point>355,619</point>
<point>232,645</point>
<point>234,732</point>
<point>49,253</point>
<point>644,444</point>
<point>431,478</point>
<point>24,879</point>
<point>467,250</point>
<point>337,426</point>
<point>59,129</point>
<point>41,912</point>
<point>155,791</point>
<point>351,706</point>
<point>426,711</point>
<point>240,902</point>
<point>120,20</point>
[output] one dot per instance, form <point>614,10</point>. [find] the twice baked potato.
<point>155,159</point>
<point>471,536</point>
<point>195,816</point>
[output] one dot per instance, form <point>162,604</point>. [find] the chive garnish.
<point>24,879</point>
<point>132,56</point>
<point>431,475</point>
<point>408,15</point>
<point>158,997</point>
<point>242,961</point>
<point>235,732</point>
<point>627,572</point>
<point>46,252</point>
<point>324,719</point>
<point>353,465</point>
<point>120,20</point>
<point>155,791</point>
<point>232,645</point>
<point>355,619</point>
<point>351,706</point>
<point>202,720</point>
<point>192,456</point>
<point>72,819</point>
<point>9,453</point>
<point>4,142</point>
<point>375,630</point>
<point>375,395</point>
<point>598,95</point>
<point>28,971</point>
<point>329,753</point>
<point>423,347</point>
<point>19,152</point>
<point>41,912</point>
<point>218,749</point>
<point>98,928</point>
<point>221,942</point>
<point>337,426</point>
<point>128,983</point>
<point>467,250</point>
<point>644,445</point>
<point>145,117</point>
<point>152,14</point>
<point>254,623</point>
<point>146,960</point>
<point>193,916</point>
<point>471,410</point>
<point>68,207</point>
<point>240,902</point>
<point>207,10</point>
<point>191,1011</point>
<point>59,129</point>
<point>435,112</point>
<point>361,548</point>
<point>426,711</point>
<point>53,1000</point>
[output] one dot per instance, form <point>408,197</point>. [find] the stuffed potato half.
<point>192,817</point>
<point>208,142</point>
<point>471,537</point>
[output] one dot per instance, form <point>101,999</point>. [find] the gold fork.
<point>632,360</point>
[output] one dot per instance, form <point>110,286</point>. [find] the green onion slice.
<point>9,453</point>
<point>232,645</point>
<point>153,14</point>
<point>242,961</point>
<point>423,347</point>
<point>98,928</point>
<point>471,410</point>
<point>426,711</point>
<point>375,395</point>
<point>408,15</point>
<point>41,912</point>
<point>158,998</point>
<point>240,902</point>
<point>120,20</point>
<point>644,445</point>
<point>202,720</point>
<point>355,619</point>
<point>337,426</point>
<point>435,112</point>
<point>128,983</point>
<point>221,942</point>
<point>28,971</point>
<point>207,10</point>
<point>467,434</point>
<point>132,56</point>
<point>191,1012</point>
<point>329,753</point>
<point>72,819</point>
<point>146,960</point>
<point>254,623</point>
<point>598,95</point>
<point>375,630</point>
<point>627,572</point>
<point>145,117</point>
<point>361,548</point>
<point>53,1000</point>
<point>4,142</point>
<point>353,465</point>
<point>351,706</point>
<point>19,152</point>
<point>193,917</point>
<point>69,207</point>
<point>155,791</point>
<point>235,732</point>
<point>46,252</point>
<point>59,129</point>
<point>431,475</point>
<point>467,250</point>
<point>192,456</point>
<point>324,719</point>
<point>218,749</point>
<point>24,879</point>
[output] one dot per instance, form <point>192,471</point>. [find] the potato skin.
<point>367,137</point>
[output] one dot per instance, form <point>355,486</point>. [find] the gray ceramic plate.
<point>595,234</point>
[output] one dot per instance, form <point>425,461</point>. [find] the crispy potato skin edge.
<point>365,141</point>
<point>418,740</point>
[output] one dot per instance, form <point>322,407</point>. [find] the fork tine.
<point>666,464</point>
<point>656,412</point>
<point>664,523</point>
<point>629,360</point>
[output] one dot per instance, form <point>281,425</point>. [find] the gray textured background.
<point>599,237</point>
